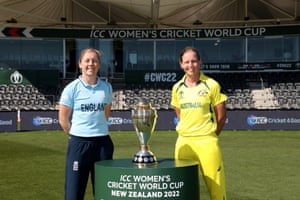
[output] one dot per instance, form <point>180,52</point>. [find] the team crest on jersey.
<point>202,93</point>
<point>180,95</point>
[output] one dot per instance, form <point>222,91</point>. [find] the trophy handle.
<point>154,120</point>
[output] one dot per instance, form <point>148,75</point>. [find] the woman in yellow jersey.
<point>201,111</point>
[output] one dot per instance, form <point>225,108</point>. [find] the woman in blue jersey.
<point>200,109</point>
<point>84,109</point>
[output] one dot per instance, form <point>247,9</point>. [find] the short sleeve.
<point>216,94</point>
<point>67,98</point>
<point>174,98</point>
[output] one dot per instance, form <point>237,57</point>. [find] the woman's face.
<point>190,63</point>
<point>89,64</point>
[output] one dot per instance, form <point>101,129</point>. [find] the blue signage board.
<point>39,120</point>
<point>122,121</point>
<point>8,121</point>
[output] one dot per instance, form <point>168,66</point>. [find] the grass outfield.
<point>259,165</point>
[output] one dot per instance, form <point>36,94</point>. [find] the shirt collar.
<point>200,79</point>
<point>88,85</point>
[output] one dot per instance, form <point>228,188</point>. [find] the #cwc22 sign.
<point>148,33</point>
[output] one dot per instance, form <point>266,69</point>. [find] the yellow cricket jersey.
<point>196,105</point>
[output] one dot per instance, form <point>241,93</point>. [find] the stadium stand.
<point>25,97</point>
<point>256,91</point>
<point>245,91</point>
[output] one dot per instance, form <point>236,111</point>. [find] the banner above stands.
<point>169,76</point>
<point>96,33</point>
<point>248,67</point>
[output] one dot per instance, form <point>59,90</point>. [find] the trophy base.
<point>144,158</point>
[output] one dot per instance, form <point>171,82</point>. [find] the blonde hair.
<point>98,53</point>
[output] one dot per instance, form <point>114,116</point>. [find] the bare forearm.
<point>220,111</point>
<point>65,125</point>
<point>107,111</point>
<point>220,125</point>
<point>64,118</point>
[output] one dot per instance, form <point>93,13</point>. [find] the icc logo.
<point>16,78</point>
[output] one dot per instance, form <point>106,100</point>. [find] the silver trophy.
<point>144,121</point>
